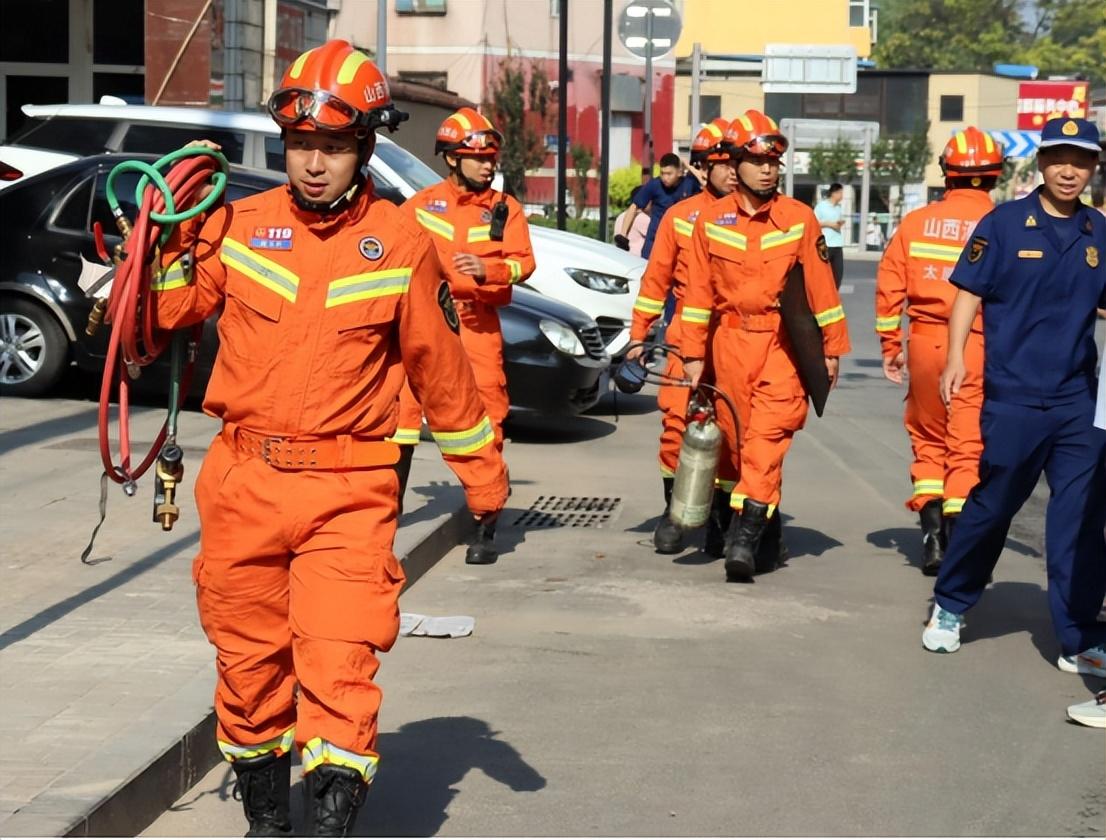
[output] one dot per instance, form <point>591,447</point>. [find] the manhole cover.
<point>569,512</point>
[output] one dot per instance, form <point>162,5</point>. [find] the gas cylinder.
<point>693,487</point>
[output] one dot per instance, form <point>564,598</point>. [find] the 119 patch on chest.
<point>445,301</point>
<point>272,238</point>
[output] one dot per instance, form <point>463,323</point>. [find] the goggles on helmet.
<point>772,145</point>
<point>290,106</point>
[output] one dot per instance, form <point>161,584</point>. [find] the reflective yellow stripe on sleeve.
<point>691,315</point>
<point>372,284</point>
<point>953,507</point>
<point>830,316</point>
<point>435,224</point>
<point>480,233</point>
<point>172,277</point>
<point>933,251</point>
<point>317,752</point>
<point>465,442</point>
<point>515,268</point>
<point>280,745</point>
<point>405,437</point>
<point>888,324</point>
<point>649,306</point>
<point>263,271</point>
<point>929,487</point>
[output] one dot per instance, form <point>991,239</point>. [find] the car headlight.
<point>561,337</point>
<point>597,281</point>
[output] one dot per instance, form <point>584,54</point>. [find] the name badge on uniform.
<point>727,219</point>
<point>1092,256</point>
<point>1031,255</point>
<point>272,238</point>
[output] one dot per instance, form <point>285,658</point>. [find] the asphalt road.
<point>608,690</point>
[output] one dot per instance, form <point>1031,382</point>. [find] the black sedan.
<point>553,353</point>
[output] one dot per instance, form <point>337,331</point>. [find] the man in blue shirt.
<point>1039,268</point>
<point>831,216</point>
<point>672,186</point>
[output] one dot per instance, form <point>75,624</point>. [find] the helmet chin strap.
<point>765,193</point>
<point>366,145</point>
<point>471,185</point>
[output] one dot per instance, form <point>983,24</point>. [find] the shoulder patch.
<point>978,246</point>
<point>445,301</point>
<point>823,249</point>
<point>1092,256</point>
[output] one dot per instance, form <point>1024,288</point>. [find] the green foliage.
<point>1062,37</point>
<point>582,159</point>
<point>834,161</point>
<point>518,101</point>
<point>584,227</point>
<point>621,183</point>
<point>901,160</point>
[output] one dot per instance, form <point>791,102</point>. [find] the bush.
<point>584,227</point>
<point>622,183</point>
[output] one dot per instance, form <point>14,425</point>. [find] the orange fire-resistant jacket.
<point>739,263</point>
<point>919,261</point>
<point>667,269</point>
<point>460,223</point>
<point>322,319</point>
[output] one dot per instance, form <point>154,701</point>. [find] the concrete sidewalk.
<point>611,691</point>
<point>106,679</point>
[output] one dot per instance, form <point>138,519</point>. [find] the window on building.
<point>710,108</point>
<point>37,32</point>
<point>858,12</point>
<point>952,108</point>
<point>420,7</point>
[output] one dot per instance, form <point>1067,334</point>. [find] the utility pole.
<point>605,120</point>
<point>647,166</point>
<point>562,115</point>
<point>696,73</point>
<point>382,36</point>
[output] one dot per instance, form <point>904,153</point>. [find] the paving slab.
<point>106,679</point>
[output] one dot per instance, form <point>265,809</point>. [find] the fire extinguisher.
<point>693,487</point>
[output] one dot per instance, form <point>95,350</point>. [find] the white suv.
<point>593,276</point>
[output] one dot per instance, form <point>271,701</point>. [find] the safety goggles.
<point>291,106</point>
<point>482,142</point>
<point>772,145</point>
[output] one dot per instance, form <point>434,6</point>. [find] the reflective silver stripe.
<point>373,284</point>
<point>467,441</point>
<point>173,277</point>
<point>282,744</point>
<point>266,272</point>
<point>317,751</point>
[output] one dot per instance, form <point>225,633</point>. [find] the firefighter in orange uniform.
<point>667,273</point>
<point>483,243</point>
<point>741,254</point>
<point>915,270</point>
<point>330,297</point>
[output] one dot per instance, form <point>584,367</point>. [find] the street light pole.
<point>562,115</point>
<point>605,120</point>
<point>382,36</point>
<point>647,166</point>
<point>696,72</point>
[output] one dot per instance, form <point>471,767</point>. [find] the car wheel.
<point>33,348</point>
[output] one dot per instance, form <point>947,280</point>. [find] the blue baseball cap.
<point>1070,131</point>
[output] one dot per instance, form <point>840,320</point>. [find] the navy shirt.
<point>1040,283</point>
<point>662,198</point>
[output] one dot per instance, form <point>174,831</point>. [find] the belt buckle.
<point>267,448</point>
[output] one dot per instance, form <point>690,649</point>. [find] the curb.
<point>152,789</point>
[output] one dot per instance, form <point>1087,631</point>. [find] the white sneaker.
<point>1091,661</point>
<point>1091,713</point>
<point>942,634</point>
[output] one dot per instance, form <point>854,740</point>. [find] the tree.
<point>834,161</point>
<point>518,101</point>
<point>1069,37</point>
<point>949,34</point>
<point>622,183</point>
<point>582,159</point>
<point>900,160</point>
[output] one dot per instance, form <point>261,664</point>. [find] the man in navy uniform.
<point>1038,266</point>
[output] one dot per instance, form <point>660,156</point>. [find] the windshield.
<point>62,134</point>
<point>413,171</point>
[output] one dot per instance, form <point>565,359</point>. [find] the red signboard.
<point>1039,102</point>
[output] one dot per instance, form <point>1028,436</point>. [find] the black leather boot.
<point>482,550</point>
<point>333,796</point>
<point>714,544</point>
<point>743,540</point>
<point>262,785</point>
<point>933,537</point>
<point>668,538</point>
<point>771,552</point>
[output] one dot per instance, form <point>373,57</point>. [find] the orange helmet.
<point>467,132</point>
<point>708,145</point>
<point>757,134</point>
<point>971,152</point>
<point>334,88</point>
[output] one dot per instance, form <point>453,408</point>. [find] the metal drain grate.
<point>570,512</point>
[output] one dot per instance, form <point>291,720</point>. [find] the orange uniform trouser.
<point>672,401</point>
<point>755,369</point>
<point>947,442</point>
<point>296,583</point>
<point>482,339</point>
